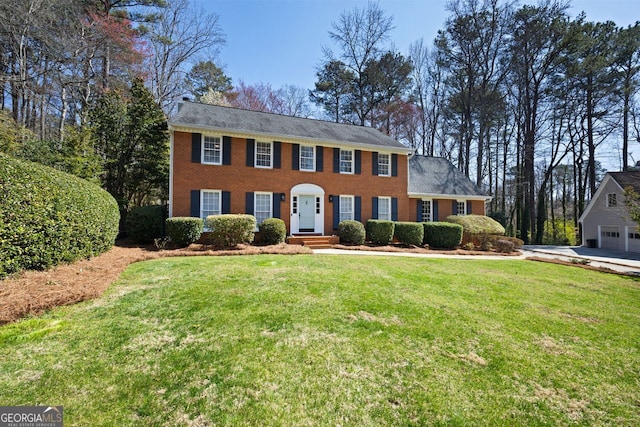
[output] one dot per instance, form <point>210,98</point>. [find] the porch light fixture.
<point>330,198</point>
<point>282,197</point>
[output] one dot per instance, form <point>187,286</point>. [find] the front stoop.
<point>314,242</point>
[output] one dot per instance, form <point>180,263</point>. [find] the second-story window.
<point>212,150</point>
<point>384,164</point>
<point>346,161</point>
<point>307,158</point>
<point>264,154</point>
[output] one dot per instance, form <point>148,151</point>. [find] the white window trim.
<point>202,215</point>
<point>313,167</point>
<point>615,197</point>
<point>255,155</point>
<point>352,162</point>
<point>388,202</point>
<point>464,207</point>
<point>430,202</point>
<point>255,205</point>
<point>388,164</point>
<point>202,149</point>
<point>353,207</point>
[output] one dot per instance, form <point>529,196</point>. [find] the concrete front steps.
<point>313,242</point>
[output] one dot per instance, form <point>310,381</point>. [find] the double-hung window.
<point>262,206</point>
<point>384,164</point>
<point>426,211</point>
<point>210,203</point>
<point>264,154</point>
<point>346,208</point>
<point>346,161</point>
<point>307,158</point>
<point>384,208</point>
<point>212,150</point>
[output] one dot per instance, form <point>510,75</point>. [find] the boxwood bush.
<point>480,230</point>
<point>48,217</point>
<point>144,223</point>
<point>409,233</point>
<point>184,230</point>
<point>351,232</point>
<point>272,231</point>
<point>442,235</point>
<point>380,231</point>
<point>228,231</point>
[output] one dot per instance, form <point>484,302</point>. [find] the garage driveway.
<point>628,262</point>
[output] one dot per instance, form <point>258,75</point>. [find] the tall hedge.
<point>443,235</point>
<point>48,217</point>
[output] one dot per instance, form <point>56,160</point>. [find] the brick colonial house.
<point>310,173</point>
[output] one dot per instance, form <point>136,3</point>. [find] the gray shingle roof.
<point>627,179</point>
<point>437,176</point>
<point>216,118</point>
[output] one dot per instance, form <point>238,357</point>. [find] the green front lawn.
<point>324,340</point>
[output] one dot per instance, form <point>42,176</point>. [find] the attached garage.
<point>610,238</point>
<point>633,239</point>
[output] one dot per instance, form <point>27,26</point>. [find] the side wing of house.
<point>605,222</point>
<point>310,184</point>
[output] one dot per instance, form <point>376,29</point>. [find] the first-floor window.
<point>346,208</point>
<point>384,208</point>
<point>426,211</point>
<point>262,207</point>
<point>210,203</point>
<point>461,208</point>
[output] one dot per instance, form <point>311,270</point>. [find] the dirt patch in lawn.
<point>33,292</point>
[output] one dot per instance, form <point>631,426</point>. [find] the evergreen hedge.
<point>443,235</point>
<point>380,231</point>
<point>228,231</point>
<point>351,232</point>
<point>273,231</point>
<point>184,231</point>
<point>409,233</point>
<point>144,223</point>
<point>48,217</point>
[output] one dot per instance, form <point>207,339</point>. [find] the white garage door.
<point>610,238</point>
<point>633,235</point>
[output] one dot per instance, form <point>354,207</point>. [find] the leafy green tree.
<point>130,134</point>
<point>333,88</point>
<point>632,203</point>
<point>206,76</point>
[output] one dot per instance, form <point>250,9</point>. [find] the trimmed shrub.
<point>409,233</point>
<point>504,246</point>
<point>144,223</point>
<point>273,231</point>
<point>184,230</point>
<point>351,232</point>
<point>228,231</point>
<point>48,217</point>
<point>480,230</point>
<point>443,235</point>
<point>380,231</point>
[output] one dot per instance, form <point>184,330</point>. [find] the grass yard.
<point>325,340</point>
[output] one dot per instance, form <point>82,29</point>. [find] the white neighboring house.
<point>605,222</point>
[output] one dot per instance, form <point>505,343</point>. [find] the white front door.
<point>307,213</point>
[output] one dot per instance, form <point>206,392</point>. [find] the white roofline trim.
<point>449,196</point>
<point>596,196</point>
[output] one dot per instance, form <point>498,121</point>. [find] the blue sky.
<point>280,42</point>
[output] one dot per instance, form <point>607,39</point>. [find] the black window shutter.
<point>319,158</point>
<point>336,160</point>
<point>394,165</point>
<point>226,202</point>
<point>357,208</point>
<point>251,147</point>
<point>419,212</point>
<point>374,208</point>
<point>434,206</point>
<point>358,161</point>
<point>226,150</point>
<point>196,148</point>
<point>277,155</point>
<point>195,203</point>
<point>295,157</point>
<point>336,212</point>
<point>469,207</point>
<point>374,163</point>
<point>394,209</point>
<point>454,208</point>
<point>248,204</point>
<point>276,205</point>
